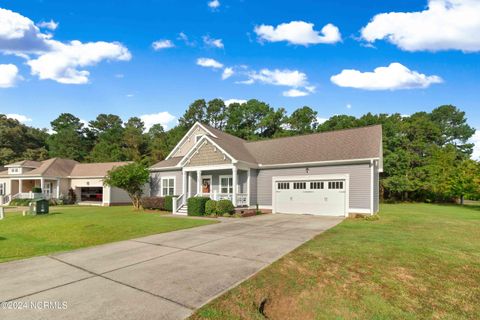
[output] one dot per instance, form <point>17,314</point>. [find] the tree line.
<point>427,156</point>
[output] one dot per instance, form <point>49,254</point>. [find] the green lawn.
<point>418,261</point>
<point>67,228</point>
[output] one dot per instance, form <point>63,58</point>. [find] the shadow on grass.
<point>3,238</point>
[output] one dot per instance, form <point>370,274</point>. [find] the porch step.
<point>183,210</point>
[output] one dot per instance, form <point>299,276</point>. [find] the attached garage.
<point>317,195</point>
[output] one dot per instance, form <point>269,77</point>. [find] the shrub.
<point>36,190</point>
<point>196,206</point>
<point>71,197</point>
<point>53,202</point>
<point>20,202</point>
<point>168,203</point>
<point>211,207</point>
<point>225,206</point>
<point>156,203</point>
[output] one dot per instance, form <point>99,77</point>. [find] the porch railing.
<point>31,195</point>
<point>177,203</point>
<point>241,197</point>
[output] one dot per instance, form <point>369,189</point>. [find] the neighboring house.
<point>331,173</point>
<point>56,177</point>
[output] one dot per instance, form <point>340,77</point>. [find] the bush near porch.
<point>211,207</point>
<point>196,206</point>
<point>153,203</point>
<point>225,206</point>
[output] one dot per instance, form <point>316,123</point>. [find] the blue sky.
<point>125,75</point>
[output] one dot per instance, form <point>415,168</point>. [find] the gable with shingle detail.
<point>207,154</point>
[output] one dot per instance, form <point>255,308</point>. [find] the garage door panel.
<point>317,197</point>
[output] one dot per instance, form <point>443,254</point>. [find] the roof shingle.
<point>347,144</point>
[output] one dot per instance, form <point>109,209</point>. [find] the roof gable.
<point>189,140</point>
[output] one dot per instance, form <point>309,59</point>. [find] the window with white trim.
<point>226,184</point>
<point>3,188</point>
<point>283,185</point>
<point>335,185</point>
<point>299,185</point>
<point>316,185</point>
<point>168,186</point>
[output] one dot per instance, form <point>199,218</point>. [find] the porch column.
<point>58,188</point>
<point>184,183</point>
<point>199,181</point>
<point>20,189</point>
<point>248,187</point>
<point>235,179</point>
<point>42,184</point>
<point>189,183</point>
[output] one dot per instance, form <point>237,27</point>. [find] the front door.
<point>48,189</point>
<point>206,185</point>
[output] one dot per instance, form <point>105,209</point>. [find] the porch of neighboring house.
<point>22,188</point>
<point>229,183</point>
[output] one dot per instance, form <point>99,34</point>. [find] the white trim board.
<point>315,163</point>
<point>356,210</point>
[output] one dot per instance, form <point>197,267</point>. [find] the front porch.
<point>23,188</point>
<point>216,182</point>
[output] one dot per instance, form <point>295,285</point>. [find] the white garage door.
<point>318,197</point>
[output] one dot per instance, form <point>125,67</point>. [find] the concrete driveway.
<point>164,276</point>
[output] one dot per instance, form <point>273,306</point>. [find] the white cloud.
<point>217,43</point>
<point>162,44</point>
<point>293,93</point>
<point>289,78</point>
<point>230,101</point>
<point>394,77</point>
<point>444,25</point>
<point>298,32</point>
<point>19,35</point>
<point>62,64</point>
<point>8,75</point>
<point>349,106</point>
<point>52,59</point>
<point>296,80</point>
<point>51,25</point>
<point>20,117</point>
<point>227,73</point>
<point>214,4</point>
<point>183,37</point>
<point>163,118</point>
<point>130,95</point>
<point>209,63</point>
<point>476,149</point>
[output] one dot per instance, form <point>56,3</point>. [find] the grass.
<point>418,261</point>
<point>67,228</point>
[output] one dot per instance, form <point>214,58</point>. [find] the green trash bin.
<point>39,206</point>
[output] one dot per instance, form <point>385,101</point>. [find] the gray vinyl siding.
<point>155,182</point>
<point>253,186</point>
<point>360,182</point>
<point>193,183</point>
<point>376,189</point>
